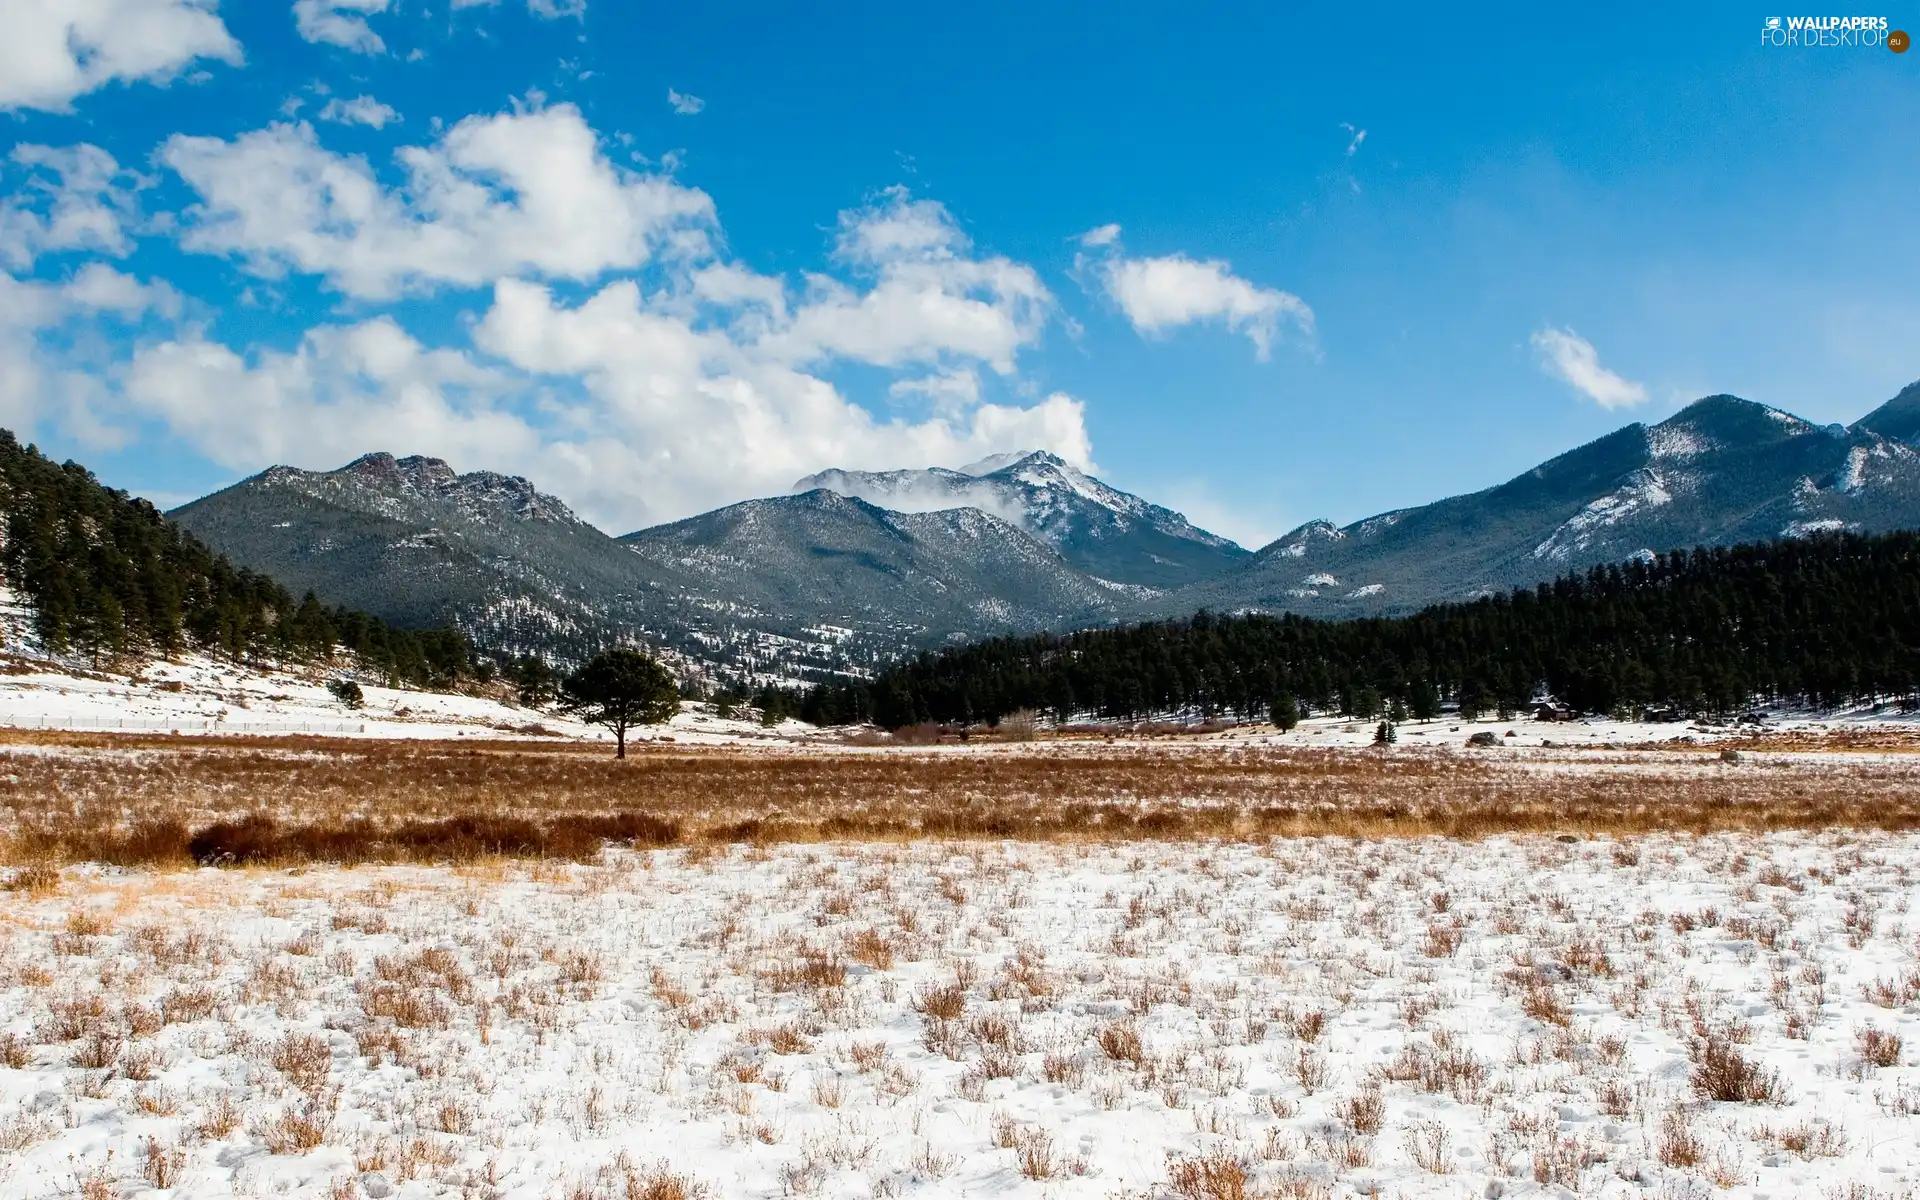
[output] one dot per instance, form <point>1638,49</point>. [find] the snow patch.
<point>1643,490</point>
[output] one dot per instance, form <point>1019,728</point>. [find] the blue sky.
<point>1263,266</point>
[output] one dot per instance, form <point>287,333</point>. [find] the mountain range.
<point>855,567</point>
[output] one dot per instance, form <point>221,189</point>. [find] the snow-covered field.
<point>197,695</point>
<point>1679,1017</point>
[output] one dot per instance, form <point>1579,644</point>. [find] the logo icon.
<point>1773,23</point>
<point>1898,41</point>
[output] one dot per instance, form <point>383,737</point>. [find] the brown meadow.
<point>178,801</point>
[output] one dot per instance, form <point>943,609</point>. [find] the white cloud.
<point>56,50</point>
<point>74,198</point>
<point>340,23</point>
<point>683,382</point>
<point>516,193</point>
<point>632,414</point>
<point>1158,294</point>
<point>49,373</point>
<point>549,10</point>
<point>930,300</point>
<point>1570,358</point>
<point>951,391</point>
<point>343,391</point>
<point>1355,138</point>
<point>684,104</point>
<point>689,418</point>
<point>361,110</point>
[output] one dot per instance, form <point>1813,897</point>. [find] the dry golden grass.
<point>176,801</point>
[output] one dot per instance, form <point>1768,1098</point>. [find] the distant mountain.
<point>1898,418</point>
<point>826,559</point>
<point>780,587</point>
<point>861,566</point>
<point>1720,471</point>
<point>1096,528</point>
<point>411,540</point>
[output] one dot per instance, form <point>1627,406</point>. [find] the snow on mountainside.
<point>1098,528</point>
<point>1720,471</point>
<point>386,484</point>
<point>899,560</point>
<point>196,693</point>
<point>842,560</point>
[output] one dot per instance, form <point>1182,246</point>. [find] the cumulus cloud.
<point>930,298</point>
<point>676,380</point>
<point>71,198</point>
<point>56,50</point>
<point>526,192</point>
<point>342,391</point>
<point>638,403</point>
<point>947,391</point>
<point>1570,358</point>
<point>684,104</point>
<point>633,414</point>
<point>340,23</point>
<point>548,10</point>
<point>45,380</point>
<point>1159,294</point>
<point>361,110</point>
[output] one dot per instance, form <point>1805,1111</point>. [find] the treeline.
<point>107,575</point>
<point>1826,621</point>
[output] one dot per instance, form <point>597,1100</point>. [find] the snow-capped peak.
<point>1036,491</point>
<point>993,462</point>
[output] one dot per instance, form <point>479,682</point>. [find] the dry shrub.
<point>813,969</point>
<point>1428,1144</point>
<point>786,1039</point>
<point>1310,1071</point>
<point>218,1118</point>
<point>162,1165</point>
<point>141,1061</point>
<point>1443,939</point>
<point>1721,1072</point>
<point>1018,726</point>
<point>1033,1150</point>
<point>97,1182</point>
<point>1896,991</point>
<point>1449,1070</point>
<point>661,1182</point>
<point>1120,1041</point>
<point>406,1007</point>
<point>1364,1112</point>
<point>186,1004</point>
<point>304,1059</point>
<point>1215,1176</point>
<point>944,1003</point>
<point>1539,1000</point>
<point>34,879</point>
<point>292,1131</point>
<point>15,1053</point>
<point>98,1051</point>
<point>71,1018</point>
<point>1877,1047</point>
<point>1808,1140</point>
<point>870,947</point>
<point>868,1056</point>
